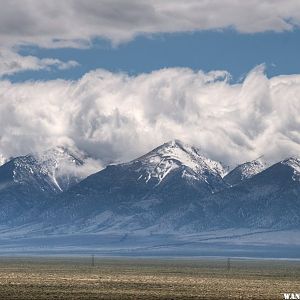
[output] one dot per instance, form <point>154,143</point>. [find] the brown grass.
<point>65,278</point>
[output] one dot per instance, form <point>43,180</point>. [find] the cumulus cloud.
<point>12,62</point>
<point>115,117</point>
<point>75,22</point>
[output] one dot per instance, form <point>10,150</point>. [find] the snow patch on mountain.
<point>54,170</point>
<point>245,171</point>
<point>294,163</point>
<point>172,155</point>
<point>47,169</point>
<point>2,160</point>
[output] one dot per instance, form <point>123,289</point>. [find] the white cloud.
<point>76,22</point>
<point>12,62</point>
<point>116,117</point>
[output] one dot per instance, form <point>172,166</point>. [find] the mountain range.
<point>171,189</point>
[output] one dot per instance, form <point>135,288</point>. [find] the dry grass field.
<point>76,278</point>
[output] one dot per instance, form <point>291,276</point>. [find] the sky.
<point>207,50</point>
<point>115,79</point>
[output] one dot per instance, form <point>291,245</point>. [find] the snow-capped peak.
<point>246,171</point>
<point>58,157</point>
<point>48,169</point>
<point>57,163</point>
<point>294,163</point>
<point>174,154</point>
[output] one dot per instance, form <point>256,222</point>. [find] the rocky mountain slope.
<point>29,182</point>
<point>143,193</point>
<point>171,189</point>
<point>245,171</point>
<point>269,199</point>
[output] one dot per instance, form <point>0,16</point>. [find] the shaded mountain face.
<point>269,199</point>
<point>137,194</point>
<point>27,182</point>
<point>245,171</point>
<point>173,189</point>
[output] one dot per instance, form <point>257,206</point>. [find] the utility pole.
<point>93,260</point>
<point>228,264</point>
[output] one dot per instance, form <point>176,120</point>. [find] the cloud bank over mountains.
<point>75,23</point>
<point>115,117</point>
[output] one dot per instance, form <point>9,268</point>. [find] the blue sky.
<point>227,50</point>
<point>41,40</point>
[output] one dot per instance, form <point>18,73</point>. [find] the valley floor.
<point>78,278</point>
<point>243,243</point>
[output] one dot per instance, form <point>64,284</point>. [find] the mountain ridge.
<point>172,188</point>
<point>27,182</point>
<point>245,171</point>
